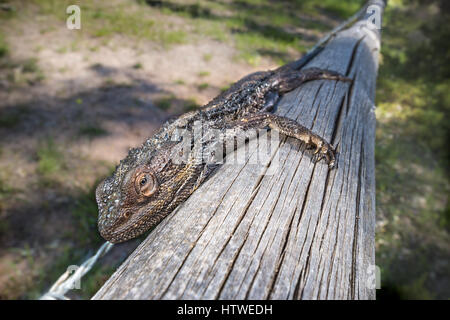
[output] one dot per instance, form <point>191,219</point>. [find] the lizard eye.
<point>126,214</point>
<point>146,184</point>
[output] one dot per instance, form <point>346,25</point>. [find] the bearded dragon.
<point>148,184</point>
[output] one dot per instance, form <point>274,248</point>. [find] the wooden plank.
<point>290,229</point>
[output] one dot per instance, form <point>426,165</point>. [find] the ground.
<point>72,102</point>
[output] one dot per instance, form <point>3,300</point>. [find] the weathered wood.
<point>291,229</point>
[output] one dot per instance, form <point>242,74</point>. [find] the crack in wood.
<point>356,230</point>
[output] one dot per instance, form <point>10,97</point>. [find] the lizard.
<point>147,185</point>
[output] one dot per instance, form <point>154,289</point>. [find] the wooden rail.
<point>301,232</point>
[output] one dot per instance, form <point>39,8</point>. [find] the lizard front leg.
<point>291,128</point>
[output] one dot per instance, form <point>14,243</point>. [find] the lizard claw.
<point>318,148</point>
<point>331,157</point>
<point>317,157</point>
<point>325,151</point>
<point>333,75</point>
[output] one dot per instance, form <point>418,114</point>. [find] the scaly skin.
<point>148,184</point>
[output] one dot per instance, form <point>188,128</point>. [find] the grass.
<point>203,86</point>
<point>207,57</point>
<point>256,28</point>
<point>191,105</point>
<point>5,191</point>
<point>24,72</point>
<point>164,103</point>
<point>225,88</point>
<point>11,118</point>
<point>4,49</point>
<point>203,74</point>
<point>85,212</point>
<point>341,9</point>
<point>30,66</point>
<point>62,49</point>
<point>50,159</point>
<point>89,284</point>
<point>125,18</point>
<point>412,156</point>
<point>92,131</point>
<point>20,279</point>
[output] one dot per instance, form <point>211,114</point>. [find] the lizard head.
<point>131,200</point>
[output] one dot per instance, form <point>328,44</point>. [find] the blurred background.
<point>73,101</point>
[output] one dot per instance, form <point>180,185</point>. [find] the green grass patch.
<point>13,116</point>
<point>85,212</point>
<point>253,46</point>
<point>104,21</point>
<point>341,9</point>
<point>214,30</point>
<point>203,86</point>
<point>207,57</point>
<point>191,105</point>
<point>5,190</point>
<point>4,49</point>
<point>92,131</point>
<point>82,243</point>
<point>225,88</point>
<point>50,158</point>
<point>258,29</point>
<point>412,156</point>
<point>26,71</point>
<point>111,21</point>
<point>69,256</point>
<point>164,103</point>
<point>9,120</point>
<point>121,19</point>
<point>203,73</point>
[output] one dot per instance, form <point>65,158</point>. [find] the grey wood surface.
<point>286,229</point>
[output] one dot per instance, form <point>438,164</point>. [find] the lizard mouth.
<point>111,233</point>
<point>119,233</point>
<point>124,227</point>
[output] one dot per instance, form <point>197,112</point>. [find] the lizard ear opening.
<point>146,184</point>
